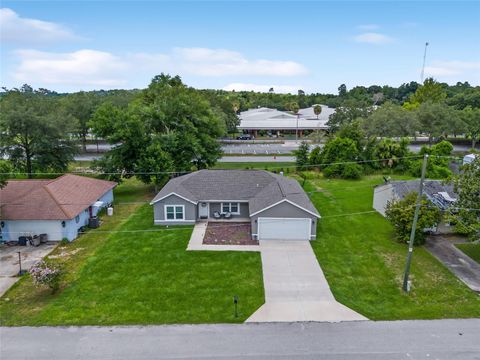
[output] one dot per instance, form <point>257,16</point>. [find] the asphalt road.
<point>268,150</point>
<point>364,340</point>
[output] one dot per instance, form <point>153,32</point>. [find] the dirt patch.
<point>219,233</point>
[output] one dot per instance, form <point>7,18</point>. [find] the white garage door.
<point>284,229</point>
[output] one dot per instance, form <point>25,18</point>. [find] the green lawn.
<point>364,266</point>
<point>139,277</point>
<point>471,250</point>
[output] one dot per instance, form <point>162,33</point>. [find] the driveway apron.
<point>295,286</point>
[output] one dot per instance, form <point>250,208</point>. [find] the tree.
<point>317,109</point>
<point>315,157</point>
<point>467,186</point>
<point>471,118</point>
<point>35,132</point>
<point>81,107</point>
<point>5,170</point>
<point>433,119</point>
<point>390,120</point>
<point>430,91</point>
<point>391,153</point>
<point>294,107</point>
<point>342,90</point>
<point>348,112</point>
<point>338,157</point>
<point>301,155</point>
<point>400,214</point>
<point>169,128</point>
<point>437,165</point>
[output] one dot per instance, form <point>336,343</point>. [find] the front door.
<point>203,210</point>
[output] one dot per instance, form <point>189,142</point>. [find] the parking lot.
<point>259,149</point>
<point>9,262</point>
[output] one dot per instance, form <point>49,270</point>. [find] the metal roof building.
<point>272,119</point>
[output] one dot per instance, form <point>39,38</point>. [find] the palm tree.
<point>317,109</point>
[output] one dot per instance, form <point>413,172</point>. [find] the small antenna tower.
<point>423,67</point>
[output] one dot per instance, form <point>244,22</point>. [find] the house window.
<point>174,212</point>
<point>77,218</point>
<point>233,208</point>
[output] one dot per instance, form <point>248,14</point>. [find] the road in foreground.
<point>436,339</point>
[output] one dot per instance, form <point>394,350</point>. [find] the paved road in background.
<point>362,340</point>
<point>268,150</point>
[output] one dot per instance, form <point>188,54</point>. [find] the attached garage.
<point>285,229</point>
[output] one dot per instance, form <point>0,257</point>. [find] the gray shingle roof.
<point>260,188</point>
<point>431,189</point>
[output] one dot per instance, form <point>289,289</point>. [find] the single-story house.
<point>276,206</point>
<point>277,122</point>
<point>57,207</point>
<point>440,194</point>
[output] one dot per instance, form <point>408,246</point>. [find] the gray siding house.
<point>276,206</point>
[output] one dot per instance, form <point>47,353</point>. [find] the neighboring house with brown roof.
<point>56,207</point>
<point>276,206</point>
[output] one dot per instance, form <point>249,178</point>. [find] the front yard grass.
<point>364,265</point>
<point>141,274</point>
<point>471,250</point>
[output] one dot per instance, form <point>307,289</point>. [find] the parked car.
<point>245,137</point>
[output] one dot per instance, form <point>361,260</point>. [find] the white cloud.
<point>292,89</point>
<point>368,27</point>
<point>372,38</point>
<point>453,68</point>
<point>15,29</point>
<point>221,62</point>
<point>93,68</point>
<point>79,68</point>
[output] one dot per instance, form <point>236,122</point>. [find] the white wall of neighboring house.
<point>381,196</point>
<point>14,228</point>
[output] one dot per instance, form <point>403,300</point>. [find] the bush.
<point>400,214</point>
<point>44,274</point>
<point>352,171</point>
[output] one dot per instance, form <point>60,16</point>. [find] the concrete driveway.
<point>463,267</point>
<point>295,286</point>
<point>9,262</point>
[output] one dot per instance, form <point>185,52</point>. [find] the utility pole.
<point>406,286</point>
<point>423,66</point>
<point>296,130</point>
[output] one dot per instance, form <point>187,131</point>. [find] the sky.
<point>314,46</point>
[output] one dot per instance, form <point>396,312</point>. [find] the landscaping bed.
<point>235,233</point>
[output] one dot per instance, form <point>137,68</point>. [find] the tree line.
<point>42,130</point>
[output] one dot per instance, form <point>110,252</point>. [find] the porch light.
<point>63,224</point>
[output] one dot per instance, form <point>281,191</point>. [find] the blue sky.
<point>315,46</point>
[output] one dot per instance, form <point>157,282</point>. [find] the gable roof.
<point>260,188</point>
<point>62,198</point>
